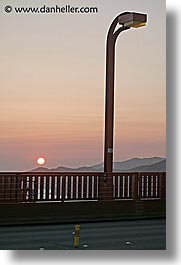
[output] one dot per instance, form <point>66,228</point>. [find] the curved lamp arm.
<point>113,25</point>
<point>109,113</point>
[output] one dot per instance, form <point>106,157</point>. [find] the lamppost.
<point>126,21</point>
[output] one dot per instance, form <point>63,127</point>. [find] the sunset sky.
<point>52,85</point>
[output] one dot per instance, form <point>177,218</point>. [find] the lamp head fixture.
<point>132,20</point>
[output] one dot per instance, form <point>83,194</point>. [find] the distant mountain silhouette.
<point>40,169</point>
<point>160,166</point>
<point>133,164</point>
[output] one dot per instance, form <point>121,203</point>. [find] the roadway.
<point>117,235</point>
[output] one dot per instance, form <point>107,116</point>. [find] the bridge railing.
<point>142,185</point>
<point>61,187</point>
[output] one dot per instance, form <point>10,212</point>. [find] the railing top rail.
<point>79,173</point>
<point>149,173</point>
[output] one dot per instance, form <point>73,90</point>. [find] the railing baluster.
<point>46,187</point>
<point>98,186</point>
<point>41,186</point>
<point>142,186</point>
<point>151,194</point>
<point>116,186</point>
<point>50,187</point>
<point>53,188</point>
<point>77,187</point>
<point>87,187</point>
<point>82,188</point>
<point>128,187</point>
<point>93,187</point>
<point>58,187</point>
<point>149,186</point>
<point>66,187</point>
<point>24,188</point>
<point>63,185</point>
<point>119,186</point>
<point>62,188</point>
<point>123,186</point>
<point>156,187</point>
<point>30,189</point>
<point>72,188</point>
<point>146,186</point>
<point>113,182</point>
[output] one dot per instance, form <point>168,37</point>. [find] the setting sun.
<point>41,161</point>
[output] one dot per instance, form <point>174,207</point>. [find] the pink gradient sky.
<point>52,85</point>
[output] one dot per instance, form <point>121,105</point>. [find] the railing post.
<point>18,188</point>
<point>106,186</point>
<point>135,185</point>
<point>137,192</point>
<point>162,185</point>
<point>1,189</point>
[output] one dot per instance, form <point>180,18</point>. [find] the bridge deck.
<point>128,235</point>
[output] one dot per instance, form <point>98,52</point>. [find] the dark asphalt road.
<point>123,235</point>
